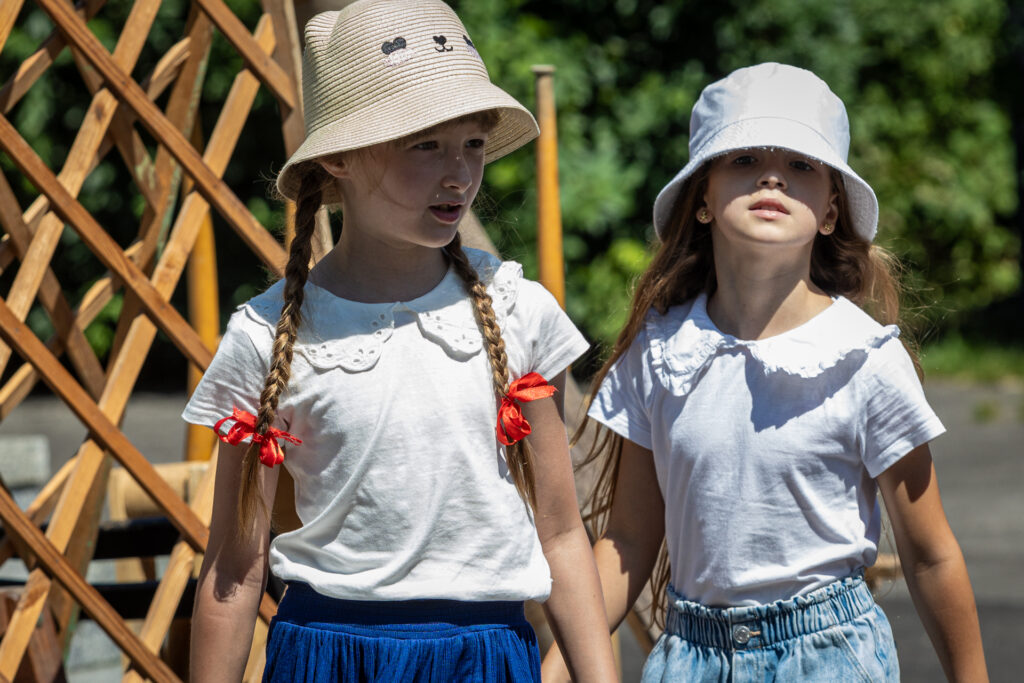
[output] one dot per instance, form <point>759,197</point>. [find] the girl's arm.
<point>933,565</point>
<point>233,576</point>
<point>575,610</point>
<point>628,549</point>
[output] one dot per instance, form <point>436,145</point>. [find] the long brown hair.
<point>308,201</point>
<point>842,263</point>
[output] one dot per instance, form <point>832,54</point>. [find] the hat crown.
<point>770,91</point>
<point>359,56</point>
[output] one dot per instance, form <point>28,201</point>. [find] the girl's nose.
<point>457,173</point>
<point>772,178</point>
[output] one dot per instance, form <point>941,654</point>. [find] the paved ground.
<point>981,472</point>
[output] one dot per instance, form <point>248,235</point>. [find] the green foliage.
<point>929,118</point>
<point>100,331</point>
<point>930,130</point>
<point>960,357</point>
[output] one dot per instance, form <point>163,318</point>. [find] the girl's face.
<point>769,197</point>
<point>414,192</point>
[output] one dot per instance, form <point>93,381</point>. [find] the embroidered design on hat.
<point>395,52</point>
<point>440,47</point>
<point>472,47</point>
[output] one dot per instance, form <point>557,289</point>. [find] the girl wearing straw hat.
<point>753,410</point>
<point>401,375</point>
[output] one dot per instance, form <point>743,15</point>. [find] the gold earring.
<point>827,229</point>
<point>703,215</point>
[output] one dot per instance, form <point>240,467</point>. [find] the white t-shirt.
<point>766,450</point>
<point>400,483</point>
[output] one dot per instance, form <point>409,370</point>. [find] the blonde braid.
<point>250,503</point>
<point>517,456</point>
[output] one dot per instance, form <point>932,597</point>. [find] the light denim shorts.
<point>835,633</point>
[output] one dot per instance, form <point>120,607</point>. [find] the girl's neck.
<point>352,272</point>
<point>756,299</point>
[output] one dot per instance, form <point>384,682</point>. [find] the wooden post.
<point>203,311</point>
<point>549,212</point>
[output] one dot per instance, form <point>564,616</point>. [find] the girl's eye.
<point>744,160</point>
<point>426,145</point>
<point>801,165</point>
<point>476,143</point>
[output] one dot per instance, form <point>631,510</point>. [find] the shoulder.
<point>852,329</point>
<point>510,291</point>
<point>256,319</point>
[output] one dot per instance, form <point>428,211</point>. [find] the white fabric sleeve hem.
<point>902,446</point>
<point>621,425</point>
<point>559,359</point>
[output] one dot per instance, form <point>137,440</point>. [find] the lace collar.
<point>338,333</point>
<point>684,340</point>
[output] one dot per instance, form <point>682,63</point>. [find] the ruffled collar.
<point>684,340</point>
<point>338,333</point>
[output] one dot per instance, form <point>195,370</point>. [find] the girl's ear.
<point>832,213</point>
<point>335,165</point>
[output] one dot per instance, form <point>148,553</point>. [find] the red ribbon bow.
<point>512,426</point>
<point>245,425</point>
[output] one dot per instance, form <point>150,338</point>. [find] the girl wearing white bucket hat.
<point>402,372</point>
<point>754,410</point>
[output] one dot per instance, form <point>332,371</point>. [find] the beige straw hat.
<point>379,70</point>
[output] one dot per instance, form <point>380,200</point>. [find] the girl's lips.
<point>447,213</point>
<point>769,205</point>
<point>768,208</point>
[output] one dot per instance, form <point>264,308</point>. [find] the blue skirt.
<point>317,639</point>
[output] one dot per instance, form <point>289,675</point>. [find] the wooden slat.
<point>265,68</point>
<point>101,244</point>
<point>128,363</point>
<point>34,264</point>
<point>38,586</point>
<point>80,160</point>
<point>213,188</point>
<point>41,506</point>
<point>99,609</point>
<point>36,65</point>
<point>164,73</point>
<point>289,54</point>
<point>181,110</point>
<point>18,335</point>
<point>53,300</point>
<point>178,571</point>
<point>8,13</point>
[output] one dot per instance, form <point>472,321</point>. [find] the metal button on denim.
<point>741,634</point>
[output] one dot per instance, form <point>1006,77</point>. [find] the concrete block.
<point>24,460</point>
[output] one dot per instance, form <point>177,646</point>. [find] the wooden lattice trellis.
<point>119,105</point>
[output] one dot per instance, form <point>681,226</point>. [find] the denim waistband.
<point>303,605</point>
<point>763,625</point>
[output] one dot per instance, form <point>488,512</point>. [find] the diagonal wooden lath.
<point>46,226</point>
<point>129,270</point>
<point>212,188</point>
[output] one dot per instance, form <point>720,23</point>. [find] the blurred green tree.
<point>931,131</point>
<point>929,120</point>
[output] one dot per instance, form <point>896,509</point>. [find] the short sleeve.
<point>549,339</point>
<point>898,417</point>
<point>236,375</point>
<point>620,402</point>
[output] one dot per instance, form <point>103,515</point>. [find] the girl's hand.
<point>933,565</point>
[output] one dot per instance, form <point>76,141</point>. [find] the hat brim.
<point>782,133</point>
<point>370,125</point>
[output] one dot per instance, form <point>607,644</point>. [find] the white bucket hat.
<point>773,105</point>
<point>379,70</point>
